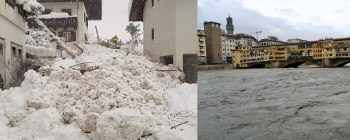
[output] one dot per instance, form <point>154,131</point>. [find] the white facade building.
<point>169,29</point>
<point>12,39</point>
<point>228,44</point>
<point>244,39</point>
<point>270,40</point>
<point>69,19</point>
<point>296,40</point>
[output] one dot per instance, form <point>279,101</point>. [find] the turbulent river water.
<point>269,104</point>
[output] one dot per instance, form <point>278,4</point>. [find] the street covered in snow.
<point>124,97</point>
<point>267,104</point>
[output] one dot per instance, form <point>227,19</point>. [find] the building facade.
<point>296,40</point>
<point>328,50</point>
<point>169,34</point>
<point>12,40</point>
<point>244,39</point>
<point>213,42</point>
<point>270,40</point>
<point>202,53</point>
<point>69,19</point>
<point>228,44</point>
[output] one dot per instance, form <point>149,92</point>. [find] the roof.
<point>136,10</point>
<point>263,40</point>
<point>93,7</point>
<point>206,22</point>
<point>338,39</point>
<point>245,36</point>
<point>225,34</point>
<point>287,44</point>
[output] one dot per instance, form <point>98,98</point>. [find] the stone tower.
<point>213,42</point>
<point>229,26</point>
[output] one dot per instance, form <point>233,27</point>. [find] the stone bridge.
<point>294,62</point>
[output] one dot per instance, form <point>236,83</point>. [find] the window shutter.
<point>73,36</point>
<point>60,34</point>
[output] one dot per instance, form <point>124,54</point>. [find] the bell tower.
<point>229,26</point>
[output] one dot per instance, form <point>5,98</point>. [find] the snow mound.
<point>38,38</point>
<point>124,124</point>
<point>121,97</point>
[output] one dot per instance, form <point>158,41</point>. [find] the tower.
<point>229,26</point>
<point>213,42</point>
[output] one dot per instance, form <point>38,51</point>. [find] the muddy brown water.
<point>274,104</point>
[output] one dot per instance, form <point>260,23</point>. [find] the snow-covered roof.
<point>93,7</point>
<point>56,15</point>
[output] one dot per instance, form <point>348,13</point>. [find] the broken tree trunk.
<point>71,52</point>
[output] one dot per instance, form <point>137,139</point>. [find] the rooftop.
<point>245,36</point>
<point>93,7</point>
<point>136,10</point>
<point>206,22</point>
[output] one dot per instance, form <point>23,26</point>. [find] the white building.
<point>69,19</point>
<point>228,44</point>
<point>270,40</point>
<point>244,39</point>
<point>296,40</point>
<point>169,28</point>
<point>12,39</point>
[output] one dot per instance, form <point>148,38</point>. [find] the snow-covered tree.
<point>132,30</point>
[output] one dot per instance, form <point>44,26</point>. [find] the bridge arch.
<point>309,53</point>
<point>301,53</point>
<point>342,64</point>
<point>294,64</point>
<point>257,66</point>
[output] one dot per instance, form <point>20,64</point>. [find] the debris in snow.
<point>71,52</point>
<point>125,98</point>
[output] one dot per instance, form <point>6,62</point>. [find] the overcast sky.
<point>286,19</point>
<point>115,18</point>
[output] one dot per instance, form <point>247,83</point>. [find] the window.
<point>84,17</point>
<point>19,52</point>
<point>69,11</point>
<point>218,54</point>
<point>152,33</point>
<point>2,45</point>
<point>14,54</point>
<point>152,3</point>
<point>67,36</point>
<point>47,11</point>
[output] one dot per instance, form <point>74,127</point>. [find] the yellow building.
<point>240,56</point>
<point>317,51</point>
<point>201,53</point>
<point>322,49</point>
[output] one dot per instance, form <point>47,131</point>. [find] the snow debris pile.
<point>115,97</point>
<point>38,38</point>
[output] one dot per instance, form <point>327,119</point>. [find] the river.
<point>267,104</point>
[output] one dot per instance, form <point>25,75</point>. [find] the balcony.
<point>55,23</point>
